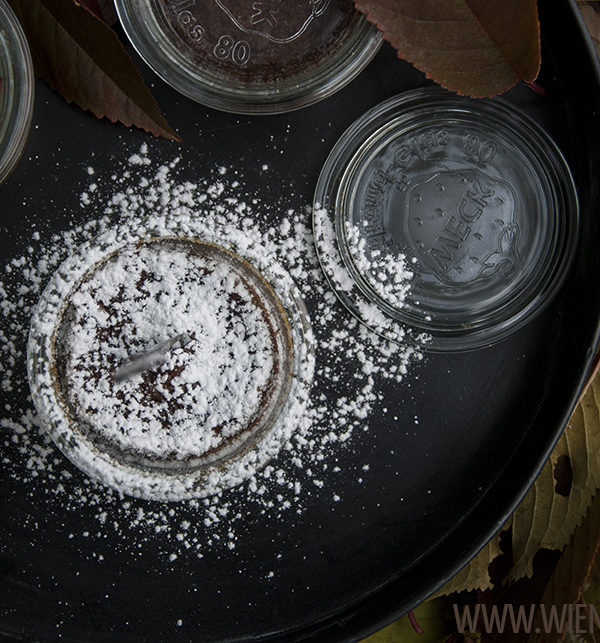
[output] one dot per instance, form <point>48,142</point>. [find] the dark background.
<point>487,419</point>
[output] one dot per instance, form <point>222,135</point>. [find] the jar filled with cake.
<point>163,363</point>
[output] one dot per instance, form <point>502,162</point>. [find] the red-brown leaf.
<point>590,10</point>
<point>473,47</point>
<point>81,57</point>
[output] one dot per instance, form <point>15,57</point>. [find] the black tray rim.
<point>384,605</point>
<point>371,613</point>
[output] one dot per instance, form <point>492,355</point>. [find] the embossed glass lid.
<point>445,221</point>
<point>251,57</point>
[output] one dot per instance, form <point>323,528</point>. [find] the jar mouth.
<point>260,61</point>
<point>469,201</point>
<point>220,279</point>
<point>16,97</point>
<point>216,406</point>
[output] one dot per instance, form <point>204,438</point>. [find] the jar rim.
<point>452,305</point>
<point>16,106</point>
<point>148,37</point>
<point>129,475</point>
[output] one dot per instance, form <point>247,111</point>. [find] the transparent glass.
<point>16,90</point>
<point>140,470</point>
<point>251,57</point>
<point>476,198</point>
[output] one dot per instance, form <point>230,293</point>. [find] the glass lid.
<point>445,221</point>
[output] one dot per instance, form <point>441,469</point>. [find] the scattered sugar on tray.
<point>386,273</point>
<point>32,459</point>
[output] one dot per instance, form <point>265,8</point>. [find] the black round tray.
<point>487,419</point>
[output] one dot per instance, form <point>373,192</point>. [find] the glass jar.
<point>251,57</point>
<point>194,421</point>
<point>16,90</point>
<point>445,221</point>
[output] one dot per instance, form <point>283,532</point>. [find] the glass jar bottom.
<point>251,58</point>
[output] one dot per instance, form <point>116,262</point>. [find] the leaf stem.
<point>538,89</point>
<point>413,621</point>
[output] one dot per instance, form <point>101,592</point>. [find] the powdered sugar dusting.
<point>147,295</point>
<point>387,274</point>
<point>352,365</point>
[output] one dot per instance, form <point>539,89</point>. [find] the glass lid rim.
<point>366,133</point>
<point>132,479</point>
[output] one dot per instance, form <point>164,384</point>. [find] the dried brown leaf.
<point>472,47</point>
<point>563,474</point>
<point>476,574</point>
<point>573,571</point>
<point>572,637</point>
<point>82,59</point>
<point>591,15</point>
<point>521,596</point>
<point>545,518</point>
<point>591,593</point>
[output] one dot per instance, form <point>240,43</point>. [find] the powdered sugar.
<point>186,476</point>
<point>387,274</point>
<point>352,362</point>
<point>144,296</point>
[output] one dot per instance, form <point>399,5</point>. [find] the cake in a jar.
<point>252,57</point>
<point>213,395</point>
